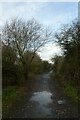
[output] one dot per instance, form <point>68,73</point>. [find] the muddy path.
<point>46,100</point>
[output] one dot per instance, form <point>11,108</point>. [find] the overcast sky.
<point>52,14</point>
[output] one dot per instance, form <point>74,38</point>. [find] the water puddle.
<point>43,98</point>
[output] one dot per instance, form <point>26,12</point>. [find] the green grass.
<point>15,94</point>
<point>72,92</point>
<point>8,96</point>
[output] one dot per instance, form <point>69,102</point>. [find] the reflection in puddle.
<point>42,98</point>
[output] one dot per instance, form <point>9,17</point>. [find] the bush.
<point>11,70</point>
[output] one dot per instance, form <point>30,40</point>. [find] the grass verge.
<point>72,92</point>
<point>15,94</point>
<point>9,95</point>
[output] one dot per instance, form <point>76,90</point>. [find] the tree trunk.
<point>25,69</point>
<point>26,73</point>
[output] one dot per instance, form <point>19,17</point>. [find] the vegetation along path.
<point>46,100</point>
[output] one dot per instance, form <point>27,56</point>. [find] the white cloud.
<point>49,50</point>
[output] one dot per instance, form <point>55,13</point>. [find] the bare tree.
<point>25,37</point>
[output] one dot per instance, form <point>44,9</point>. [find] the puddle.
<point>43,98</point>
